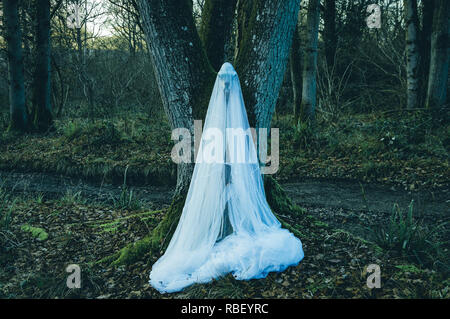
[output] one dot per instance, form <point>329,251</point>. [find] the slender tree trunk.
<point>216,28</point>
<point>19,119</point>
<point>329,31</point>
<point>42,110</point>
<point>425,48</point>
<point>264,38</point>
<point>86,80</point>
<point>295,62</point>
<point>440,45</point>
<point>26,9</point>
<point>308,106</point>
<point>412,53</point>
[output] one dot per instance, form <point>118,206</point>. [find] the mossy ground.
<point>97,150</point>
<point>36,232</point>
<point>159,238</point>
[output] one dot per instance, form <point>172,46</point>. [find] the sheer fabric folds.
<point>226,225</point>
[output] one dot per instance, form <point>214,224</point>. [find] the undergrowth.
<point>407,237</point>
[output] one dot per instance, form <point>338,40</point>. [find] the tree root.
<point>154,242</point>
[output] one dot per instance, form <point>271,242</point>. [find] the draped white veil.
<point>226,225</point>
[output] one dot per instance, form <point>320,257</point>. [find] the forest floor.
<point>85,222</point>
<point>63,201</point>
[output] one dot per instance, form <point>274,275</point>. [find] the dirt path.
<point>53,186</point>
<point>356,196</point>
<point>348,205</point>
<point>357,206</point>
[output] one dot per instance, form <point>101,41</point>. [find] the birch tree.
<point>412,53</point>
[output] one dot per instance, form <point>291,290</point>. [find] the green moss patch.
<point>409,268</point>
<point>36,232</point>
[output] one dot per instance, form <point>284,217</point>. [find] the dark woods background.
<point>93,75</point>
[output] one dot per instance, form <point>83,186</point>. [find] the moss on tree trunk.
<point>281,205</point>
<point>155,242</point>
<point>260,63</point>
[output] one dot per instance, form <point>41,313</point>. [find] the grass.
<point>405,236</point>
<point>127,199</point>
<point>71,197</point>
<point>98,150</point>
<point>6,208</point>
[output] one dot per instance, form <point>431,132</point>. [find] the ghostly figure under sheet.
<point>226,225</point>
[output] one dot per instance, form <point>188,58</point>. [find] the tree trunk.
<point>216,28</point>
<point>183,73</point>
<point>264,38</point>
<point>425,48</point>
<point>42,110</point>
<point>295,62</point>
<point>412,53</point>
<point>19,118</point>
<point>308,106</point>
<point>440,44</point>
<point>329,32</point>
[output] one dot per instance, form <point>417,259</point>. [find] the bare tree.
<point>425,47</point>
<point>329,31</point>
<point>295,64</point>
<point>127,23</point>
